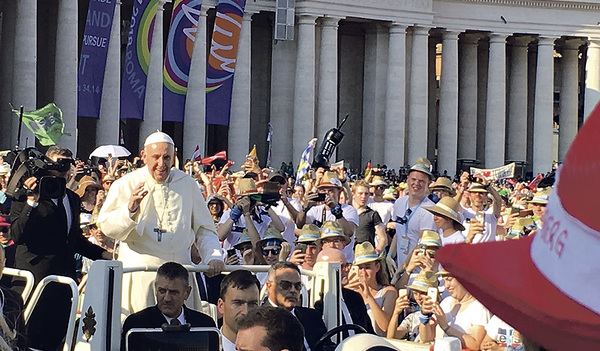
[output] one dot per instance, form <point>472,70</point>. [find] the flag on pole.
<point>45,123</point>
<point>534,183</point>
<point>222,155</point>
<point>304,164</point>
<point>197,155</point>
<point>368,170</point>
<point>270,143</point>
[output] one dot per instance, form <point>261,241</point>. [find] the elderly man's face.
<point>236,303</point>
<point>284,290</point>
<point>170,295</point>
<point>159,157</point>
<point>417,183</point>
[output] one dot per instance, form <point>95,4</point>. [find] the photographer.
<point>47,234</point>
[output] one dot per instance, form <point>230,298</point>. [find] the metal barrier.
<point>36,296</point>
<point>27,275</point>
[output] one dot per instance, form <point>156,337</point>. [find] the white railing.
<point>27,275</point>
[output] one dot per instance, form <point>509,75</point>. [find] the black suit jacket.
<point>313,324</point>
<point>151,317</point>
<point>44,246</point>
<point>356,307</point>
<point>12,310</point>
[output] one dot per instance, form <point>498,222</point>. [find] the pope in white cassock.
<point>158,212</point>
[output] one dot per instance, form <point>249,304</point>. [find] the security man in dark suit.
<point>172,288</point>
<point>284,286</point>
<point>47,234</point>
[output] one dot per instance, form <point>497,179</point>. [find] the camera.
<point>32,163</point>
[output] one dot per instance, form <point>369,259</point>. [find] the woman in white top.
<point>378,295</point>
<point>447,219</point>
<point>459,315</point>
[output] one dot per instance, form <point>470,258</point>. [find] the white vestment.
<point>178,209</point>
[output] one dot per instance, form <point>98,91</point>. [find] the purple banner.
<point>178,57</point>
<point>92,63</point>
<point>137,58</point>
<point>221,61</point>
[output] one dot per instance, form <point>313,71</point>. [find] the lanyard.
<point>411,214</point>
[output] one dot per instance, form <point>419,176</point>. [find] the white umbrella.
<point>114,150</point>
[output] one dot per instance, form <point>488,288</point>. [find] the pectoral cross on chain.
<point>159,232</point>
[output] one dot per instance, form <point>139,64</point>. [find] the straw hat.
<point>271,235</point>
<point>388,194</point>
<point>86,182</point>
<point>430,238</point>
<point>546,285</point>
<point>246,186</point>
<point>402,186</point>
<point>541,197</point>
<point>423,281</point>
<point>310,233</point>
<point>330,179</point>
<point>378,180</point>
<point>332,229</point>
<point>521,223</point>
<point>477,188</point>
<point>365,253</point>
<point>447,207</point>
<point>443,183</point>
<point>422,165</point>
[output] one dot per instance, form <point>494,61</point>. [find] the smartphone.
<point>402,292</point>
<point>480,216</point>
<point>321,197</point>
<point>514,210</point>
<point>301,247</point>
<point>231,252</point>
<point>525,213</point>
<point>433,294</point>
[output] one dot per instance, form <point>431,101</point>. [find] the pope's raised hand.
<point>136,197</point>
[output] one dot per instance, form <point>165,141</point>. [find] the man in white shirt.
<point>239,294</point>
<point>477,213</point>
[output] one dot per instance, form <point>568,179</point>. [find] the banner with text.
<point>92,62</point>
<point>178,58</point>
<point>506,171</point>
<point>221,60</point>
<point>137,58</point>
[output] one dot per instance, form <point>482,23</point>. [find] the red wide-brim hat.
<point>547,286</point>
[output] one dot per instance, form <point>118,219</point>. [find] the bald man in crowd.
<point>158,212</point>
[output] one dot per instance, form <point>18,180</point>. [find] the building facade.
<point>463,82</point>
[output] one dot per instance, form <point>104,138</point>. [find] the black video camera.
<point>32,163</point>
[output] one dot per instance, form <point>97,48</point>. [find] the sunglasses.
<point>403,220</point>
<point>382,187</point>
<point>287,285</point>
<point>274,251</point>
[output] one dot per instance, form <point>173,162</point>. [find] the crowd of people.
<point>383,228</point>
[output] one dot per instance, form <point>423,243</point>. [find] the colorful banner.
<point>221,61</point>
<point>92,62</point>
<point>137,58</point>
<point>178,57</point>
<point>304,164</point>
<point>506,171</point>
<point>45,123</point>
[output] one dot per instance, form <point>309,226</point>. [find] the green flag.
<point>46,124</point>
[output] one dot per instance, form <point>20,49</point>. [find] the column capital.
<point>397,27</point>
<point>450,35</point>
<point>248,15</point>
<point>521,40</point>
<point>161,5</point>
<point>573,44</point>
<point>305,18</point>
<point>593,42</point>
<point>470,38</point>
<point>498,37</point>
<point>420,30</point>
<point>546,40</point>
<point>329,21</point>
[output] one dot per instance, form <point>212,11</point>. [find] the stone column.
<point>375,72</point>
<point>495,120</point>
<point>395,106</point>
<point>25,66</point>
<point>304,89</point>
<point>516,148</point>
<point>65,70</point>
<point>107,128</point>
<point>543,117</point>
<point>418,95</point>
<point>239,126</point>
<point>467,98</point>
<point>327,108</point>
<point>592,76</point>
<point>569,96</point>
<point>448,108</point>
<point>194,131</point>
<point>282,101</point>
<point>154,83</point>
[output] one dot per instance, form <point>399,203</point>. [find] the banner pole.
<point>20,126</point>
